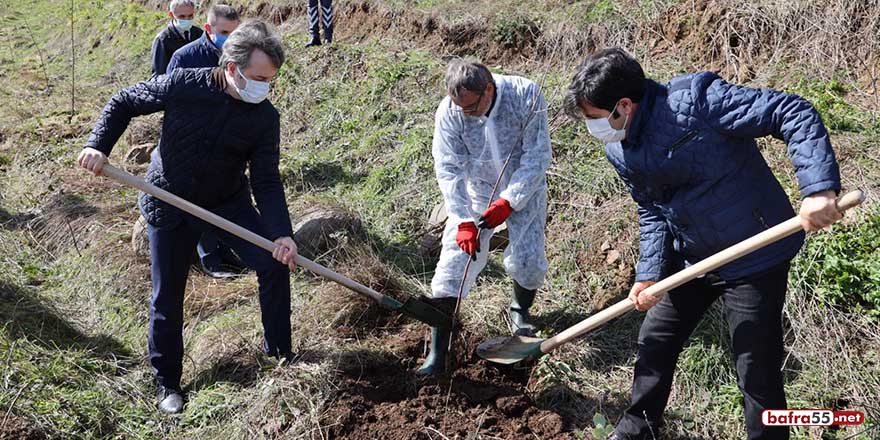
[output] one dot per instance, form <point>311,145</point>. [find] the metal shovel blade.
<point>422,311</point>
<point>510,349</point>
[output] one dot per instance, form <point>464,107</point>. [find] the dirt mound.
<point>19,429</point>
<point>351,314</point>
<point>740,39</point>
<point>144,131</point>
<point>319,230</point>
<point>493,40</point>
<point>380,397</point>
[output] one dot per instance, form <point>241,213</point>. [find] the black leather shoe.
<point>289,358</point>
<point>169,400</point>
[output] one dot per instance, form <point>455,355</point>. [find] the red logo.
<point>811,417</point>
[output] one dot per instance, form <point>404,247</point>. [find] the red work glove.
<point>497,213</point>
<point>467,239</point>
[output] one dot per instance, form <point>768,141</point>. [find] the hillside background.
<point>356,133</point>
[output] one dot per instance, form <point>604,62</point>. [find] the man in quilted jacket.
<point>217,122</point>
<point>687,152</point>
<point>177,34</point>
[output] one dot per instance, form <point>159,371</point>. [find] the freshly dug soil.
<point>17,428</point>
<point>380,397</point>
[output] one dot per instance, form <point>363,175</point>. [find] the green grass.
<point>844,267</point>
<point>838,114</point>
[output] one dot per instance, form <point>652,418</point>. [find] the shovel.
<point>412,307</point>
<point>509,350</point>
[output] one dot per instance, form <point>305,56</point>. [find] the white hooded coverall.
<point>469,153</point>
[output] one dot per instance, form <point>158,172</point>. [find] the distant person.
<point>222,111</point>
<point>326,19</point>
<point>205,52</point>
<point>177,34</point>
<point>686,150</point>
<point>215,258</point>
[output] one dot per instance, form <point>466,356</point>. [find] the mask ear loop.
<point>238,72</point>
<point>613,112</point>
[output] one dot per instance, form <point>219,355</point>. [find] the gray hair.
<point>222,11</point>
<point>251,35</point>
<point>465,74</point>
<point>175,3</point>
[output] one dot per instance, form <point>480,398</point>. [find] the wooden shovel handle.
<point>234,229</point>
<point>706,265</point>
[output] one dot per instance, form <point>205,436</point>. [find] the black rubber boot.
<point>327,20</point>
<point>315,40</point>
<point>520,302</point>
<point>435,363</point>
<point>314,24</point>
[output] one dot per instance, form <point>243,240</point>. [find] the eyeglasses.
<point>473,107</point>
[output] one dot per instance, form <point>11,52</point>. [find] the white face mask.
<point>601,129</point>
<point>183,25</point>
<point>253,92</point>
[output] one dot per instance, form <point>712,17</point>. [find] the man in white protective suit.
<point>484,119</point>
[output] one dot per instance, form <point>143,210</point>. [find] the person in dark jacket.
<point>177,34</point>
<point>215,258</point>
<point>217,123</point>
<point>205,52</point>
<point>320,15</point>
<point>687,152</point>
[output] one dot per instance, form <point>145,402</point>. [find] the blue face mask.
<point>219,40</point>
<point>183,25</point>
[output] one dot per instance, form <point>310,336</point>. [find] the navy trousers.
<point>753,310</point>
<point>213,253</point>
<point>171,252</point>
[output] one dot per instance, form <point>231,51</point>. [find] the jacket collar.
<point>176,32</point>
<point>652,90</point>
<point>205,41</point>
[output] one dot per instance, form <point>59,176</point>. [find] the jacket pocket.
<point>683,139</point>
<point>736,222</point>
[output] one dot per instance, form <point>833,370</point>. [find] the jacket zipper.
<point>680,141</point>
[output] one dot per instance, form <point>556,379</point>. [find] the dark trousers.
<point>753,309</point>
<point>209,251</point>
<point>321,13</point>
<point>213,253</point>
<point>170,253</point>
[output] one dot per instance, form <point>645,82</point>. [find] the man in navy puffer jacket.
<point>217,122</point>
<point>687,152</point>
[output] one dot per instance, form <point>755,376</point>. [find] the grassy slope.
<point>356,132</point>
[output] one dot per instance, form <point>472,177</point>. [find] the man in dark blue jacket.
<point>214,256</point>
<point>687,152</point>
<point>205,52</point>
<point>177,34</point>
<point>217,123</point>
